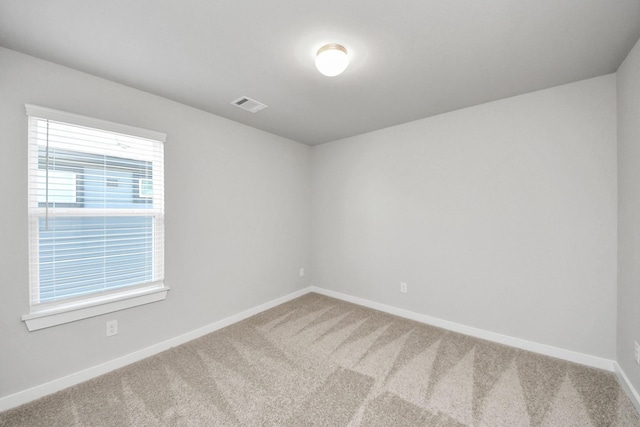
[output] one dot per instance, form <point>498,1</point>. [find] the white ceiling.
<point>410,59</point>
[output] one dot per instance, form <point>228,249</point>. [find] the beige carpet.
<point>320,361</point>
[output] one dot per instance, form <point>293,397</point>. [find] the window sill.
<point>93,307</point>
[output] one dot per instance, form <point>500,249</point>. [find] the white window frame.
<point>72,309</point>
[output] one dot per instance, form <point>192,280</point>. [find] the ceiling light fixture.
<point>332,59</point>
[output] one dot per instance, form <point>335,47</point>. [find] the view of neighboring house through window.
<point>96,212</point>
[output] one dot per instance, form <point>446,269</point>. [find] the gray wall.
<point>500,216</point>
<point>237,221</point>
<point>628,79</point>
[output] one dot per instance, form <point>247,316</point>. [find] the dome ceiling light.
<point>332,59</point>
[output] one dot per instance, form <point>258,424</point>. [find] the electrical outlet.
<point>112,328</point>
<point>403,287</point>
<point>301,272</point>
<point>636,352</point>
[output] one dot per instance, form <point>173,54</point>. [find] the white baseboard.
<point>42,390</point>
<point>572,356</point>
<point>626,384</point>
<point>39,391</point>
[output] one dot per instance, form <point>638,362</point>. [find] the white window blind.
<point>96,209</point>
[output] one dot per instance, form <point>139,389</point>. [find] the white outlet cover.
<point>112,328</point>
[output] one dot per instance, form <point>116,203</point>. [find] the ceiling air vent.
<point>249,104</point>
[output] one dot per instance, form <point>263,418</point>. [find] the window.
<point>96,217</point>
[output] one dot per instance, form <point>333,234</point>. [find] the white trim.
<point>571,356</point>
<point>83,309</point>
<point>77,119</point>
<point>42,390</point>
<point>627,386</point>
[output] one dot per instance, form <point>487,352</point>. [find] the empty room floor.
<point>321,361</point>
